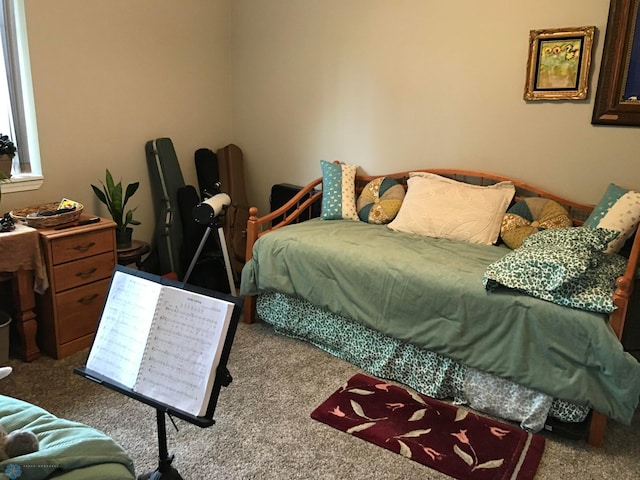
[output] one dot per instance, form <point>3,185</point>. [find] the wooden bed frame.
<point>301,203</point>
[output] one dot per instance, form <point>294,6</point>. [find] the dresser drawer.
<point>86,270</point>
<point>81,245</point>
<point>79,310</point>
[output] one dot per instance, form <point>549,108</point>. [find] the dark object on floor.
<point>573,431</point>
<point>6,223</point>
<point>281,193</point>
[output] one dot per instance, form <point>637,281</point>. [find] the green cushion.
<point>64,445</point>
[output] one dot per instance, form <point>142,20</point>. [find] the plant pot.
<point>6,161</point>
<point>123,238</point>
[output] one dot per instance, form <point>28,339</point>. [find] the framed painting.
<point>558,65</point>
<point>618,94</point>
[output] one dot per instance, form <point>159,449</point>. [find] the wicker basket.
<point>22,215</point>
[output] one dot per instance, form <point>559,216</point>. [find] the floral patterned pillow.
<point>566,266</point>
<point>573,238</point>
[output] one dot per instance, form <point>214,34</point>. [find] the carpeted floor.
<point>263,427</point>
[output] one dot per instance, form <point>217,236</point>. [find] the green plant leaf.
<point>112,196</point>
<point>131,189</point>
<point>100,194</point>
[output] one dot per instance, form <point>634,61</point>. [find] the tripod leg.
<point>197,254</point>
<point>227,262</point>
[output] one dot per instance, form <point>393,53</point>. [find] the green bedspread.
<point>429,292</point>
<point>69,450</point>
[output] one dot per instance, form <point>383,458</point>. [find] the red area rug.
<point>444,437</point>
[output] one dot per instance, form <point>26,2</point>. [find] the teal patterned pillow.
<point>566,266</point>
<point>573,238</point>
<point>619,209</point>
<point>338,191</point>
<point>592,291</point>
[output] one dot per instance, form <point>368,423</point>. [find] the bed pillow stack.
<point>441,207</point>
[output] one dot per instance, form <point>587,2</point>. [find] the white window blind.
<point>17,110</point>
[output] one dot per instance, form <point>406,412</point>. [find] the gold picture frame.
<point>559,63</point>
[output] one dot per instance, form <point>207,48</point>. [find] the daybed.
<point>419,309</point>
<point>68,450</point>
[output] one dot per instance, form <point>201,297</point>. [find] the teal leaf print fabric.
<point>566,266</point>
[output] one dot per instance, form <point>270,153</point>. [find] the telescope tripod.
<point>225,254</point>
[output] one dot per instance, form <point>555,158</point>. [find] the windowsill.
<point>22,183</point>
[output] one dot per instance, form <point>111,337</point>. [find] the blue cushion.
<point>338,191</point>
<point>618,209</point>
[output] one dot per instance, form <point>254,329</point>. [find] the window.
<point>17,110</point>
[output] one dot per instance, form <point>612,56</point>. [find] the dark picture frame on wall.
<point>618,94</point>
<point>559,62</point>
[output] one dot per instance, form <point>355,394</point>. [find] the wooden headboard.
<point>299,207</point>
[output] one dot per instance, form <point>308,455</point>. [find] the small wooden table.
<point>21,261</point>
<point>134,253</point>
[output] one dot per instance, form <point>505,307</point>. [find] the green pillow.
<point>338,191</point>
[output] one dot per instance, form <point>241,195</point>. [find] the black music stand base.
<point>165,470</point>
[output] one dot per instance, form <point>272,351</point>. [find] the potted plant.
<point>7,152</point>
<point>111,196</point>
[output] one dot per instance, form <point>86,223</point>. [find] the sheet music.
<point>124,326</point>
<point>184,349</point>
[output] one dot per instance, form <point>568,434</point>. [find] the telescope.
<point>208,212</point>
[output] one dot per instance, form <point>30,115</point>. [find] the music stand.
<point>165,470</point>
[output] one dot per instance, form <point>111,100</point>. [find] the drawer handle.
<point>86,274</point>
<point>88,298</point>
<point>84,247</point>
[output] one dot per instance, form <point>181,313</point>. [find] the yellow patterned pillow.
<point>380,200</point>
<point>529,216</point>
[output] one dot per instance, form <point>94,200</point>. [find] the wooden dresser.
<point>79,262</point>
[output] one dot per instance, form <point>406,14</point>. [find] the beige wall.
<point>387,84</point>
<point>398,84</point>
<point>108,75</point>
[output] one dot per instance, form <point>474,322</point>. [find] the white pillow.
<point>440,207</point>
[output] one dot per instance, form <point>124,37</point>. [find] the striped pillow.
<point>338,191</point>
